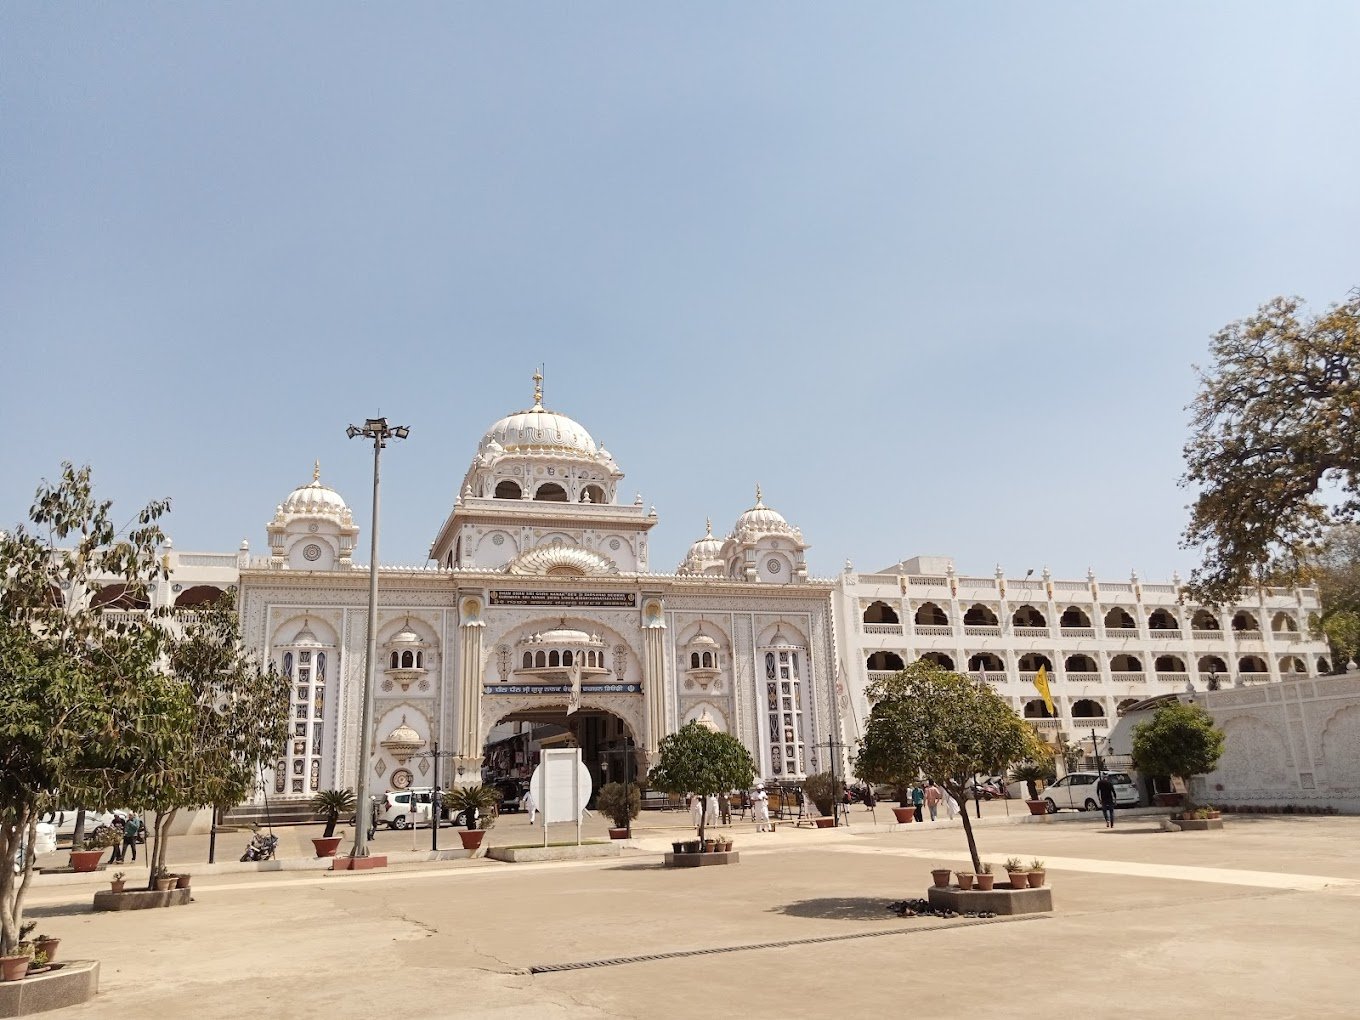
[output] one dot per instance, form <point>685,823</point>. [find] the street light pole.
<point>380,432</point>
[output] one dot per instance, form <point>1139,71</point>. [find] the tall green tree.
<point>701,761</point>
<point>928,722</point>
<point>1275,434</point>
<point>1179,740</point>
<point>79,699</point>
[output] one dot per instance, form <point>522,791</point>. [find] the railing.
<point>1208,635</point>
<point>117,617</point>
<point>878,578</point>
<point>1044,724</point>
<point>881,674</point>
<point>1127,676</point>
<point>1173,635</point>
<point>981,630</point>
<point>1248,634</point>
<point>992,676</point>
<point>1082,677</point>
<point>883,628</point>
<point>1115,586</point>
<point>1162,589</point>
<point>1072,586</point>
<point>1173,678</point>
<point>922,581</point>
<point>934,630</point>
<point>1085,722</point>
<point>207,559</point>
<point>1078,632</point>
<point>1287,635</point>
<point>1031,632</point>
<point>1121,632</point>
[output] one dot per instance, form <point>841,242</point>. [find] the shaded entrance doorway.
<point>513,745</point>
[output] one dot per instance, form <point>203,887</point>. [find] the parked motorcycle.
<point>261,848</point>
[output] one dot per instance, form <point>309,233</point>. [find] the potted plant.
<point>703,762</point>
<point>1181,741</point>
<point>985,878</point>
<point>182,880</point>
<point>478,805</point>
<point>87,859</point>
<point>621,803</point>
<point>164,880</point>
<point>116,883</point>
<point>1031,773</point>
<point>15,966</point>
<point>826,791</point>
<point>1036,873</point>
<point>332,804</point>
<point>47,945</point>
<point>966,880</point>
<point>1016,872</point>
<point>940,876</point>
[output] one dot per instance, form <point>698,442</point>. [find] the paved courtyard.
<point>1260,920</point>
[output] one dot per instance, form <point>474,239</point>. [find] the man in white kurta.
<point>760,808</point>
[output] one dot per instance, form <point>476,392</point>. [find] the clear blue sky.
<point>934,274</point>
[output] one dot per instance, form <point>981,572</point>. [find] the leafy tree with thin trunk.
<point>701,761</point>
<point>81,697</point>
<point>1180,740</point>
<point>1275,434</point>
<point>930,723</point>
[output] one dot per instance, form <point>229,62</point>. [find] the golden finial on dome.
<point>759,498</point>
<point>538,388</point>
<point>708,527</point>
<point>316,470</point>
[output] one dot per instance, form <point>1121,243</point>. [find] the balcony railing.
<point>981,630</point>
<point>1165,635</point>
<point>934,630</point>
<point>1287,635</point>
<point>1120,676</point>
<point>1078,632</point>
<point>1085,722</point>
<point>1121,632</point>
<point>1045,725</point>
<point>1082,677</point>
<point>1031,632</point>
<point>881,674</point>
<point>991,676</point>
<point>883,628</point>
<point>1173,678</point>
<point>1208,635</point>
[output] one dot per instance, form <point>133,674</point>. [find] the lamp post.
<point>434,754</point>
<point>380,432</point>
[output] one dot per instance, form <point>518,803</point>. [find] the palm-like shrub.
<point>824,790</point>
<point>479,802</point>
<point>333,804</point>
<point>620,802</point>
<point>1029,773</point>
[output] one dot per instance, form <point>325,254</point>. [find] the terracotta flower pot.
<point>326,846</point>
<point>940,876</point>
<point>116,885</point>
<point>904,814</point>
<point>48,946</point>
<point>678,847</point>
<point>1019,879</point>
<point>167,883</point>
<point>984,882</point>
<point>85,860</point>
<point>966,880</point>
<point>1036,878</point>
<point>825,822</point>
<point>13,968</point>
<point>618,833</point>
<point>1037,807</point>
<point>182,881</point>
<point>472,838</point>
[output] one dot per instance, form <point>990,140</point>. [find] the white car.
<point>1078,790</point>
<point>45,843</point>
<point>65,820</point>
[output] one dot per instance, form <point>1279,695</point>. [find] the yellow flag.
<point>1041,682</point>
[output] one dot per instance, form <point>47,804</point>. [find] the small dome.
<point>315,499</point>
<point>404,734</point>
<point>305,636</point>
<point>406,636</point>
<point>537,430</point>
<point>565,636</point>
<point>702,640</point>
<point>708,547</point>
<point>761,517</point>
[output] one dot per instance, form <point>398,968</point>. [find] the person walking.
<point>918,799</point>
<point>933,797</point>
<point>1105,791</point>
<point>119,824</point>
<point>132,828</point>
<point>760,808</point>
<point>951,806</point>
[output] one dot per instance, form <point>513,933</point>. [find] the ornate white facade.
<point>539,598</point>
<point>1104,644</point>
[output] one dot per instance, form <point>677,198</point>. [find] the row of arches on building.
<point>589,658</point>
<point>1082,708</point>
<point>548,492</point>
<point>885,661</point>
<point>122,596</point>
<point>930,614</point>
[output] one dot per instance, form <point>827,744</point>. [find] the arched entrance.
<point>609,745</point>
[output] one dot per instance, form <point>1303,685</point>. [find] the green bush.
<point>620,803</point>
<point>824,790</point>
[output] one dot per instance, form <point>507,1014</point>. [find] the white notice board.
<point>561,784</point>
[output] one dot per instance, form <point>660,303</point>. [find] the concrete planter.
<point>358,863</point>
<point>1199,824</point>
<point>572,852</point>
<point>720,857</point>
<point>63,985</point>
<point>140,899</point>
<point>998,901</point>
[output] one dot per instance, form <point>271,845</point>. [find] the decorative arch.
<point>1028,616</point>
<point>1252,664</point>
<point>1080,663</point>
<point>1074,616</point>
<point>1284,623</point>
<point>1162,619</point>
<point>987,661</point>
<point>979,615</point>
<point>879,611</point>
<point>199,596</point>
<point>1031,661</point>
<point>561,561</point>
<point>715,713</point>
<point>1119,619</point>
<point>1204,619</point>
<point>628,707</point>
<point>119,596</point>
<point>550,492</point>
<point>1036,709</point>
<point>1125,705</point>
<point>1212,664</point>
<point>1245,620</point>
<point>1293,665</point>
<point>1340,738</point>
<point>1126,664</point>
<point>931,615</point>
<point>881,662</point>
<point>508,489</point>
<point>1324,666</point>
<point>940,659</point>
<point>1087,708</point>
<point>1168,664</point>
<point>592,494</point>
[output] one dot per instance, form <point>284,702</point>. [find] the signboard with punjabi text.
<point>585,599</point>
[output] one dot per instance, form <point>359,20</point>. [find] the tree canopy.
<point>930,723</point>
<point>1180,740</point>
<point>698,760</point>
<point>1275,429</point>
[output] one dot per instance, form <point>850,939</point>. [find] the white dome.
<point>706,548</point>
<point>761,517</point>
<point>564,636</point>
<point>538,430</point>
<point>315,499</point>
<point>702,640</point>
